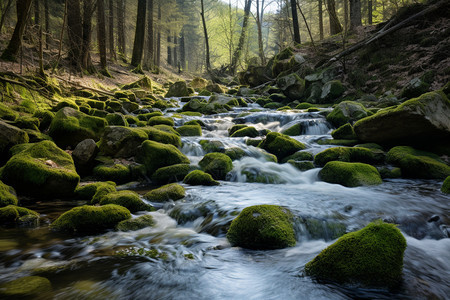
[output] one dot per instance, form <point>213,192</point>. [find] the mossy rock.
<point>167,192</point>
<point>198,177</point>
<point>273,105</point>
<point>235,153</point>
<point>148,116</point>
<point>7,195</point>
<point>348,143</point>
<point>69,127</point>
<point>331,91</point>
<point>41,170</point>
<point>198,83</point>
<point>156,155</point>
<point>116,119</point>
<point>136,223</point>
<point>189,130</point>
<point>117,173</point>
<point>212,146</point>
<point>414,88</point>
<point>293,130</point>
<point>418,164</point>
<point>158,120</point>
<point>248,131</point>
<point>91,219</point>
<point>37,136</point>
<point>7,113</point>
<point>350,174</point>
<point>15,215</point>
<point>262,227</point>
<point>87,191</point>
<point>142,83</point>
<point>45,118</point>
<point>9,137</point>
<point>128,199</point>
<point>386,172</point>
<point>118,141</point>
<point>372,257</point>
<point>171,173</point>
<point>304,105</point>
<point>302,165</point>
<point>162,136</point>
<point>102,190</point>
<point>27,122</point>
<point>166,128</point>
<point>178,89</point>
<point>235,128</point>
<point>28,287</point>
<point>348,154</point>
<point>280,145</point>
<point>298,156</point>
<point>217,164</point>
<point>347,112</point>
<point>345,132</point>
<point>446,186</point>
<point>65,103</point>
<point>114,106</point>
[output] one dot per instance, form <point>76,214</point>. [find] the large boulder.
<point>280,145</point>
<point>446,186</point>
<point>418,164</point>
<point>12,215</point>
<point>117,173</point>
<point>162,136</point>
<point>120,141</point>
<point>84,155</point>
<point>91,219</point>
<point>217,164</point>
<point>156,155</point>
<point>347,112</point>
<point>128,199</point>
<point>10,136</point>
<point>372,256</point>
<point>420,120</point>
<point>414,88</point>
<point>70,126</point>
<point>28,287</point>
<point>167,192</point>
<point>350,174</point>
<point>292,86</point>
<point>198,177</point>
<point>331,91</point>
<point>262,227</point>
<point>349,154</point>
<point>7,195</point>
<point>41,170</point>
<point>178,89</point>
<point>190,130</point>
<point>136,223</point>
<point>345,132</point>
<point>171,173</point>
<point>87,191</point>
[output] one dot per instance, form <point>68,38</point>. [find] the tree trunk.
<point>238,52</point>
<point>297,39</point>
<point>169,49</point>
<point>260,40</point>
<point>175,51</point>
<point>11,51</point>
<point>47,24</point>
<point>75,32</point>
<point>37,13</point>
<point>121,29</point>
<point>139,37</point>
<point>320,20</point>
<point>101,32</point>
<point>158,39</point>
<point>88,11</point>
<point>369,12</point>
<point>346,13</point>
<point>182,52</point>
<point>5,13</point>
<point>112,51</point>
<point>150,45</point>
<point>335,25</point>
<point>355,14</point>
<point>205,32</point>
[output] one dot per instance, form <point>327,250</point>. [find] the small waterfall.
<point>315,127</point>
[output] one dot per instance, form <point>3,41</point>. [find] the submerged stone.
<point>28,287</point>
<point>136,223</point>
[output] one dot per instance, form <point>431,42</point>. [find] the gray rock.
<point>10,136</point>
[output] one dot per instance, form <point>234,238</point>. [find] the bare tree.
<point>121,8</point>
<point>112,51</point>
<point>139,37</point>
<point>295,22</point>
<point>238,52</point>
<point>205,32</point>
<point>101,33</point>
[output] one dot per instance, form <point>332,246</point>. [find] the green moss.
<point>273,105</point>
<point>161,136</point>
<point>293,130</point>
<point>143,83</point>
<point>7,113</point>
<point>390,172</point>
<point>280,145</point>
<point>171,173</point>
<point>192,114</point>
<point>217,164</point>
<point>350,174</point>
<point>302,165</point>
<point>45,118</point>
<point>198,177</point>
<point>235,128</point>
<point>262,227</point>
<point>249,131</point>
<point>28,287</point>
<point>157,120</point>
<point>136,223</point>
<point>234,153</point>
<point>156,155</point>
<point>91,219</point>
<point>148,116</point>
<point>189,130</point>
<point>347,154</point>
<point>27,122</point>
<point>65,103</point>
<point>372,256</point>
<point>116,119</point>
<point>446,185</point>
<point>128,199</point>
<point>344,132</point>
<point>298,156</point>
<point>116,172</point>
<point>178,89</point>
<point>167,192</point>
<point>304,105</point>
<point>88,191</point>
<point>348,143</point>
<point>212,146</point>
<point>418,164</point>
<point>15,215</point>
<point>347,111</point>
<point>41,169</point>
<point>7,195</point>
<point>102,190</point>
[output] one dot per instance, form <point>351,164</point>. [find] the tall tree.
<point>295,21</point>
<point>47,24</point>
<point>139,37</point>
<point>150,45</point>
<point>121,8</point>
<point>88,11</point>
<point>169,49</point>
<point>355,14</point>
<point>11,51</point>
<point>182,52</point>
<point>335,25</point>
<point>346,13</point>
<point>74,32</point>
<point>37,12</point>
<point>158,38</point>
<point>369,11</point>
<point>238,52</point>
<point>259,17</point>
<point>320,20</point>
<point>205,32</point>
<point>101,33</point>
<point>112,50</point>
<point>5,12</point>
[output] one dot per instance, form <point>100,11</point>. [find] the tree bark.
<point>47,24</point>
<point>88,11</point>
<point>335,25</point>
<point>169,49</point>
<point>175,51</point>
<point>11,51</point>
<point>320,20</point>
<point>5,13</point>
<point>101,32</point>
<point>139,37</point>
<point>260,40</point>
<point>205,32</point>
<point>355,14</point>
<point>158,39</point>
<point>150,45</point>
<point>182,52</point>
<point>75,32</point>
<point>238,52</point>
<point>112,51</point>
<point>369,12</point>
<point>297,39</point>
<point>121,29</point>
<point>37,13</point>
<point>346,14</point>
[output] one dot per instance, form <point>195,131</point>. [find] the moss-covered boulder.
<point>136,223</point>
<point>15,215</point>
<point>249,131</point>
<point>212,146</point>
<point>418,164</point>
<point>345,132</point>
<point>91,219</point>
<point>28,287</point>
<point>116,119</point>
<point>9,137</point>
<point>198,83</point>
<point>280,145</point>
<point>118,141</point>
<point>156,155</point>
<point>217,164</point>
<point>262,227</point>
<point>171,173</point>
<point>235,128</point>
<point>162,136</point>
<point>7,113</point>
<point>117,173</point>
<point>446,186</point>
<point>178,89</point>
<point>7,195</point>
<point>350,174</point>
<point>331,91</point>
<point>41,170</point>
<point>128,199</point>
<point>167,192</point>
<point>298,156</point>
<point>235,153</point>
<point>27,122</point>
<point>347,112</point>
<point>142,83</point>
<point>294,130</point>
<point>414,88</point>
<point>425,119</point>
<point>292,86</point>
<point>102,190</point>
<point>190,130</point>
<point>70,126</point>
<point>87,191</point>
<point>45,118</point>
<point>159,120</point>
<point>198,177</point>
<point>372,256</point>
<point>348,154</point>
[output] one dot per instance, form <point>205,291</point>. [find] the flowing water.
<point>186,254</point>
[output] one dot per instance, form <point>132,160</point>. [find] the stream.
<point>186,254</point>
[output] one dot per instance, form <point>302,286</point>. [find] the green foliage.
<point>198,177</point>
<point>350,174</point>
<point>128,199</point>
<point>7,195</point>
<point>28,287</point>
<point>91,219</point>
<point>217,164</point>
<point>156,155</point>
<point>262,227</point>
<point>372,256</point>
<point>136,223</point>
<point>167,192</point>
